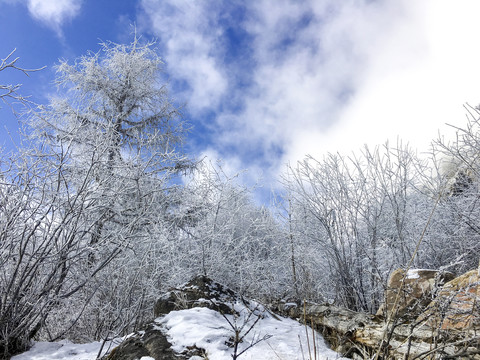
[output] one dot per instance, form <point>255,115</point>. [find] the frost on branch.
<point>116,106</point>
<point>10,91</point>
<point>95,182</point>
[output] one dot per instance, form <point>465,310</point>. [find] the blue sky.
<point>267,82</point>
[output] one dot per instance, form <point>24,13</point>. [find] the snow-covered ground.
<point>61,350</point>
<point>285,339</point>
<point>209,330</point>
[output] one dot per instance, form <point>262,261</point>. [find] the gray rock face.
<point>446,328</point>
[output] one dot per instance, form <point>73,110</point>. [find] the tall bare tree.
<point>93,183</point>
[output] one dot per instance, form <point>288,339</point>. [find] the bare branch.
<point>10,91</point>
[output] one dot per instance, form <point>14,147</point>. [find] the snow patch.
<point>209,330</point>
<point>414,273</point>
<point>64,350</point>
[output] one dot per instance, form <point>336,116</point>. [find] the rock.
<point>150,342</point>
<point>448,327</point>
<point>199,292</point>
<point>456,306</point>
<point>415,290</point>
<point>286,308</point>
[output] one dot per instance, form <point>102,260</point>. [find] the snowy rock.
<point>201,291</point>
<point>289,309</point>
<point>204,319</point>
<point>151,343</point>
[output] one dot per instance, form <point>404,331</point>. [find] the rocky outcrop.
<point>152,342</point>
<point>415,326</point>
<point>457,305</point>
<point>447,327</point>
<point>201,291</point>
<point>409,292</point>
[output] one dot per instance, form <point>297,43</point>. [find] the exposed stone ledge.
<point>449,327</point>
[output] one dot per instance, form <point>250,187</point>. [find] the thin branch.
<point>10,90</point>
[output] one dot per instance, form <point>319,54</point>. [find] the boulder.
<point>448,327</point>
<point>457,305</point>
<point>411,291</point>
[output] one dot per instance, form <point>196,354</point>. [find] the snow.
<point>209,330</point>
<point>412,274</point>
<point>62,350</point>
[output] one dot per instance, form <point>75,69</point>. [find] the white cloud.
<point>417,79</point>
<point>325,76</point>
<point>300,91</point>
<point>378,71</point>
<point>184,27</point>
<point>54,13</point>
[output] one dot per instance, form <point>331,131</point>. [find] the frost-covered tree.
<point>117,113</point>
<point>353,218</point>
<point>42,248</point>
<point>455,231</point>
<point>96,182</point>
<point>230,238</point>
<point>126,141</point>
